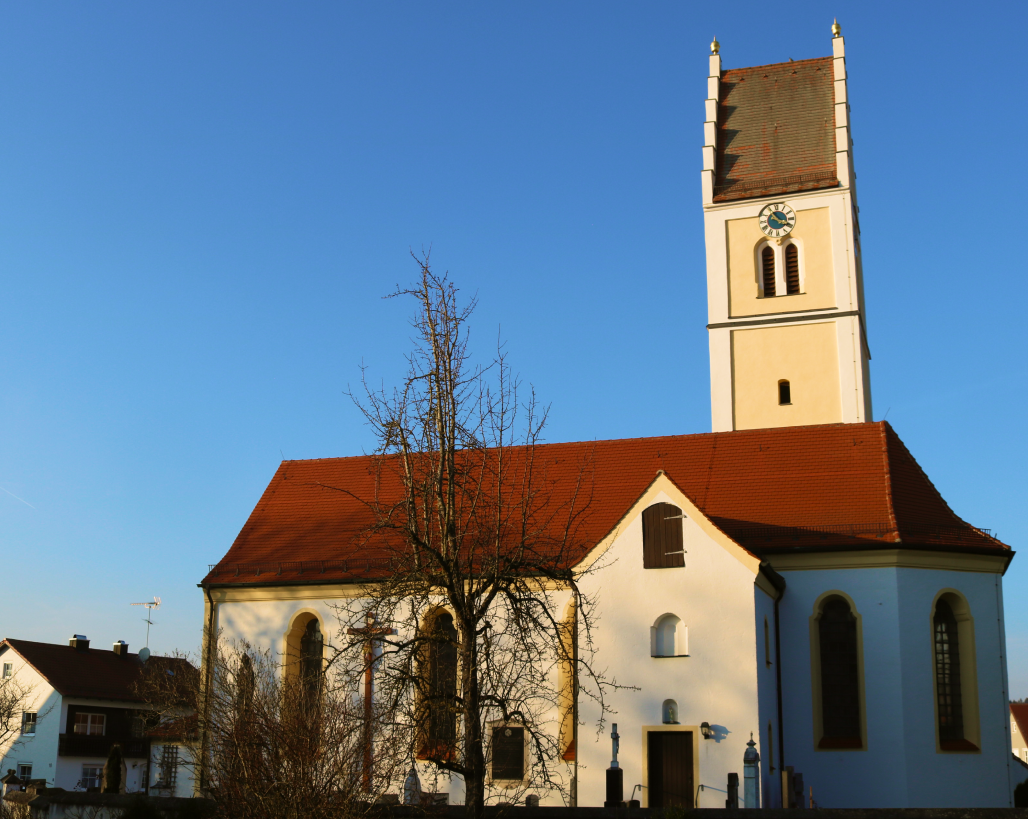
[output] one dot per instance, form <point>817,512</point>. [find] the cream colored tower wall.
<point>813,238</point>
<point>806,355</point>
<point>830,295</point>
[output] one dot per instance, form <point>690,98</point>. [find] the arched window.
<point>792,269</point>
<point>662,537</point>
<point>767,270</point>
<point>669,637</point>
<point>312,658</point>
<point>784,393</point>
<point>439,688</point>
<point>838,656</point>
<point>955,685</point>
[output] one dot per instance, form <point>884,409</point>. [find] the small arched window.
<point>439,688</point>
<point>955,686</point>
<point>784,393</point>
<point>840,676</point>
<point>792,269</point>
<point>662,537</point>
<point>767,270</point>
<point>669,637</point>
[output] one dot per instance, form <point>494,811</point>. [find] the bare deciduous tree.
<point>276,745</point>
<point>479,541</point>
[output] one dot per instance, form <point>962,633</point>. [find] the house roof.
<point>776,130</point>
<point>812,488</point>
<point>91,673</point>
<point>1019,711</point>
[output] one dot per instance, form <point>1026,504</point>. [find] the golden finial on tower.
<point>715,46</point>
<point>836,28</point>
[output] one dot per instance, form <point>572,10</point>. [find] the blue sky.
<point>202,204</point>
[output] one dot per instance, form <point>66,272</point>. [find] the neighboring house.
<point>793,575</point>
<point>1019,730</point>
<point>82,701</point>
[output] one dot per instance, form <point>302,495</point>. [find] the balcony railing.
<point>86,745</point>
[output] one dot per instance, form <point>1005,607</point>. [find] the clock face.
<point>777,219</point>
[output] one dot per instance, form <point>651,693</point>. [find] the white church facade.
<point>793,575</point>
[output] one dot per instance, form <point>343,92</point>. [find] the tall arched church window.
<point>784,392</point>
<point>440,688</point>
<point>662,537</point>
<point>767,270</point>
<point>955,681</point>
<point>312,658</point>
<point>792,269</point>
<point>840,697</point>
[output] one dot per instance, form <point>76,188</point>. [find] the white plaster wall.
<point>39,751</point>
<point>900,767</point>
<point>185,781</point>
<point>714,596</point>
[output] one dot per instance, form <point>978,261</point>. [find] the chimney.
<point>121,648</point>
<point>79,641</point>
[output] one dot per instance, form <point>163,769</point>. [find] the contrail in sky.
<point>21,499</point>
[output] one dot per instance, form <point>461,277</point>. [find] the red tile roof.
<point>776,130</point>
<point>832,487</point>
<point>1019,711</point>
<point>91,673</point>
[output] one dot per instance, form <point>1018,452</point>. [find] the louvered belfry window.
<point>840,676</point>
<point>662,537</point>
<point>767,263</point>
<point>947,675</point>
<point>792,270</point>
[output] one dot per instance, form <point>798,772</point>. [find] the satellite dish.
<point>144,654</point>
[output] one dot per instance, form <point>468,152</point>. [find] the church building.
<point>792,576</point>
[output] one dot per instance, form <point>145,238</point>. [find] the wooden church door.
<point>669,769</point>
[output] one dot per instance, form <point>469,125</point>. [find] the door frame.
<point>646,756</point>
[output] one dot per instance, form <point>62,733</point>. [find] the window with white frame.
<point>28,722</point>
<point>508,753</point>
<point>90,724</point>
<point>91,776</point>
<point>8,670</point>
<point>25,772</point>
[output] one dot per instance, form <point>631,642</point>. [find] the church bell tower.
<point>785,293</point>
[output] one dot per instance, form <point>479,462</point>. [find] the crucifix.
<point>371,633</point>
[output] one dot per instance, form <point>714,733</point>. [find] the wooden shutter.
<point>767,259</point>
<point>662,537</point>
<point>792,270</point>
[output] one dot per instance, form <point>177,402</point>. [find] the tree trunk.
<point>474,754</point>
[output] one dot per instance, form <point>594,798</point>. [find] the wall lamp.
<point>706,730</point>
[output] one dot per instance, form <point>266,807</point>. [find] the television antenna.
<point>150,607</point>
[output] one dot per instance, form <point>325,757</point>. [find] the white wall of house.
<point>901,766</point>
<point>185,782</point>
<point>39,750</point>
<point>716,683</point>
